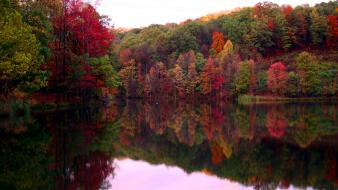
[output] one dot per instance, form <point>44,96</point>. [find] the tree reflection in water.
<point>265,146</point>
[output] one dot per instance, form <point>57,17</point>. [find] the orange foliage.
<point>217,41</point>
<point>217,155</point>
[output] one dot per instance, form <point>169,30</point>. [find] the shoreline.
<point>257,99</point>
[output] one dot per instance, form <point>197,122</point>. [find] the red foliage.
<point>160,81</point>
<point>271,24</point>
<point>285,184</point>
<point>91,35</point>
<point>125,55</point>
<point>91,171</point>
<point>212,78</point>
<point>87,80</point>
<point>276,124</point>
<point>217,82</point>
<point>332,172</point>
<point>277,78</point>
<point>78,31</point>
<point>333,23</point>
<point>287,10</point>
<point>217,116</point>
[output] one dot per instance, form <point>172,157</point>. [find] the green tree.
<point>37,14</point>
<point>242,79</point>
<point>292,84</point>
<point>285,33</point>
<point>262,78</point>
<point>318,28</point>
<point>200,62</point>
<point>105,71</point>
<point>261,36</point>
<point>308,71</point>
<point>181,41</point>
<point>19,53</point>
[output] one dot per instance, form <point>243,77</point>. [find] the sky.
<point>141,13</point>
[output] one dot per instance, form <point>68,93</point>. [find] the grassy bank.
<point>250,99</point>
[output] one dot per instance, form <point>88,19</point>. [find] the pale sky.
<point>140,13</point>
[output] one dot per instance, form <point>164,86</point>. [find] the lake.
<point>142,145</point>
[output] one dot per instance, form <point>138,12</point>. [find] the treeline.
<point>66,51</point>
<point>299,124</point>
<point>231,55</point>
<point>58,47</point>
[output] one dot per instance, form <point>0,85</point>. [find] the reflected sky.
<point>140,175</point>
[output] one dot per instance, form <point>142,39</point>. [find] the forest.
<point>64,50</point>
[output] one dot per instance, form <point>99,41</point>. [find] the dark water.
<point>161,145</point>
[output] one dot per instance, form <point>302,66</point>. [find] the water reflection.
<point>265,146</point>
<point>165,178</point>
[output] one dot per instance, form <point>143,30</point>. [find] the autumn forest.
<point>65,50</point>
<point>247,96</point>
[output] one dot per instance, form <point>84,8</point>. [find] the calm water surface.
<point>137,145</point>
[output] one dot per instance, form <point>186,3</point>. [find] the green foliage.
<point>292,84</point>
<point>263,30</point>
<point>37,15</point>
<point>105,69</point>
<point>308,70</point>
<point>261,33</point>
<point>245,99</point>
<point>242,79</point>
<point>328,75</point>
<point>285,32</point>
<point>19,54</point>
<point>25,160</point>
<point>318,28</point>
<point>200,62</point>
<point>130,40</point>
<point>262,78</point>
<point>237,27</point>
<point>261,36</point>
<point>181,41</point>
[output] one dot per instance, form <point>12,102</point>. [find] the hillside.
<point>232,53</point>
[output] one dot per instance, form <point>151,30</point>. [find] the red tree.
<point>125,56</point>
<point>287,10</point>
<point>333,31</point>
<point>212,79</point>
<point>277,78</point>
<point>78,31</point>
<point>88,32</point>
